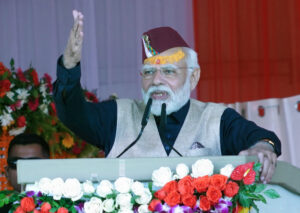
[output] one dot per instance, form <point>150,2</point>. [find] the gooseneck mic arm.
<point>162,126</point>
<point>143,123</point>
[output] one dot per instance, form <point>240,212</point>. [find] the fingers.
<point>268,160</point>
<point>78,24</point>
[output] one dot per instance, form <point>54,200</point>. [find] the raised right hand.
<point>72,54</point>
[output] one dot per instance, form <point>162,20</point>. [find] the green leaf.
<point>262,198</point>
<point>271,193</point>
<point>244,200</point>
<point>255,207</point>
<point>1,203</point>
<point>53,209</point>
<point>256,167</point>
<point>259,188</point>
<point>12,63</point>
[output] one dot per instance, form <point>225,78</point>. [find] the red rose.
<point>33,105</point>
<point>45,208</point>
<point>35,77</point>
<point>76,149</point>
<point>53,108</point>
<point>62,210</point>
<point>4,87</point>
<point>36,211</point>
<point>170,186</point>
<point>172,198</point>
<point>21,121</point>
<point>204,203</point>
<point>160,194</point>
<point>201,183</point>
<point>3,69</point>
<point>48,82</point>
<point>185,185</point>
<point>218,181</point>
<point>153,205</point>
<point>189,200</point>
<point>91,97</point>
<point>231,189</point>
<point>213,194</point>
<point>19,210</point>
<point>21,75</point>
<point>27,204</point>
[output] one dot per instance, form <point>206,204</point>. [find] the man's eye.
<point>148,72</point>
<point>169,71</point>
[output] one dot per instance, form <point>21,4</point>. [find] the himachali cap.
<point>160,39</point>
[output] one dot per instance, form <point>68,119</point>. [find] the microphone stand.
<point>162,127</point>
<point>143,123</point>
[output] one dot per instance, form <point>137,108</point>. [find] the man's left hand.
<point>267,158</point>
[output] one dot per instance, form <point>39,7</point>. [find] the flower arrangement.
<point>233,190</point>
<point>26,105</point>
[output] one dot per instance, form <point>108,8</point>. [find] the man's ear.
<point>195,78</point>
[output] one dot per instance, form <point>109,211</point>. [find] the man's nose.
<point>158,78</point>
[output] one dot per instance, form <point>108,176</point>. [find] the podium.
<point>286,180</point>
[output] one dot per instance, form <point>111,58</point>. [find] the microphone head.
<point>146,113</point>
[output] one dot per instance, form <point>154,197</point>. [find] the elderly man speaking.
<point>177,124</point>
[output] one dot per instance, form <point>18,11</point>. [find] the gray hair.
<point>191,58</point>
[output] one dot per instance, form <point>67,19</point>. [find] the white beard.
<point>175,101</point>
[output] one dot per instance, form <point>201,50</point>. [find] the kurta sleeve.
<point>238,134</point>
<point>93,122</point>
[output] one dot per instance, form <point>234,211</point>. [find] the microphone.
<point>143,123</point>
<point>162,127</point>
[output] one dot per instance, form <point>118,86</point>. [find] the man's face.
<point>22,151</point>
<point>166,83</point>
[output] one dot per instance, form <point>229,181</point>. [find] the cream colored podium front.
<point>286,179</point>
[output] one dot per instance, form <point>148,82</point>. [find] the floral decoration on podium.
<point>232,190</point>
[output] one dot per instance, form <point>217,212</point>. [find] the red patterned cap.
<point>160,39</point>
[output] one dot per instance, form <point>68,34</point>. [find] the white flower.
<point>44,108</point>
<point>161,176</point>
<point>88,187</point>
<point>143,209</point>
<point>45,185</point>
<point>145,197</point>
<point>125,210</point>
<point>57,187</point>
<point>202,167</point>
<point>104,188</point>
<point>123,184</point>
<point>6,119</point>
<point>32,187</point>
<point>8,109</point>
<point>10,95</point>
<point>182,170</point>
<point>109,205</point>
<point>95,205</point>
<point>124,200</point>
<point>72,189</point>
<point>43,89</point>
<point>17,131</point>
<point>137,188</point>
<point>227,170</point>
<point>22,94</point>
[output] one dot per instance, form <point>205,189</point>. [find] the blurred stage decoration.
<point>195,189</point>
<point>26,105</point>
